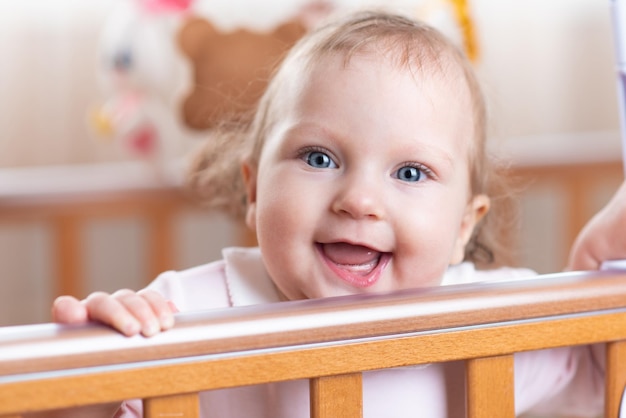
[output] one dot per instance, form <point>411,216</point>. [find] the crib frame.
<point>329,341</point>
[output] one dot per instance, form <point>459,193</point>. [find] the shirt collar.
<point>246,278</point>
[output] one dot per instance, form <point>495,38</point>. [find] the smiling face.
<point>363,183</point>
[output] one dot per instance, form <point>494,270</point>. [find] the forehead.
<point>441,84</point>
<point>442,68</point>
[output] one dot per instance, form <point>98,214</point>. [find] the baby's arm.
<point>129,312</point>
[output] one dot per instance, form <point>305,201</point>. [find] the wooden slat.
<point>615,377</point>
<point>577,182</point>
<point>161,240</point>
<point>490,387</point>
<point>185,405</point>
<point>69,212</point>
<point>338,396</point>
<point>67,230</point>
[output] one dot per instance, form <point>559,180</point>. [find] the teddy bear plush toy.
<point>231,68</point>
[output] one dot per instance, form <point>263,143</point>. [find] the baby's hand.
<point>127,311</point>
<point>603,237</point>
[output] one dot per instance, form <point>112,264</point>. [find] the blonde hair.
<point>215,173</point>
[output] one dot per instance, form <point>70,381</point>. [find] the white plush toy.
<point>142,74</point>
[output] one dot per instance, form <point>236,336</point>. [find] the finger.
<point>161,308</point>
<point>173,307</point>
<point>109,310</point>
<point>582,260</point>
<point>141,309</point>
<point>69,310</point>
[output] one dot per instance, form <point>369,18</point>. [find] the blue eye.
<point>319,159</point>
<point>410,174</point>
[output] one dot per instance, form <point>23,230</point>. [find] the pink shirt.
<point>565,381</point>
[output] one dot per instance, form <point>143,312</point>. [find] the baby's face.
<point>363,184</point>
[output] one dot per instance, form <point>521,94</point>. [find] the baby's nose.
<point>360,199</point>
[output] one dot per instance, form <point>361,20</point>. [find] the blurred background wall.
<point>547,69</point>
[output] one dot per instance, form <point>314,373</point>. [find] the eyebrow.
<point>308,128</point>
<point>438,153</point>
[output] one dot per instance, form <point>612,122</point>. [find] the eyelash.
<point>305,153</point>
<point>427,172</point>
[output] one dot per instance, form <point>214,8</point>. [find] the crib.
<point>331,342</point>
<point>48,367</point>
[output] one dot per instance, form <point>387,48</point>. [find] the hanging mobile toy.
<point>139,74</point>
<point>462,13</point>
<point>452,18</point>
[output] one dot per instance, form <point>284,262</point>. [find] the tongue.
<point>346,254</point>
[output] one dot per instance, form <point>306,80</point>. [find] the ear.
<point>194,36</point>
<point>249,173</point>
<point>476,209</point>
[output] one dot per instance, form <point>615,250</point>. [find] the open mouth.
<point>356,264</point>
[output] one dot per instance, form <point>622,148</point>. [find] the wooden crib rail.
<point>67,198</point>
<point>329,341</point>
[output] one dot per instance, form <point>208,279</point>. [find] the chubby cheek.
<point>281,228</point>
<point>277,215</point>
<point>424,268</point>
<point>273,223</point>
<point>289,204</point>
<point>276,258</point>
<point>425,249</point>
